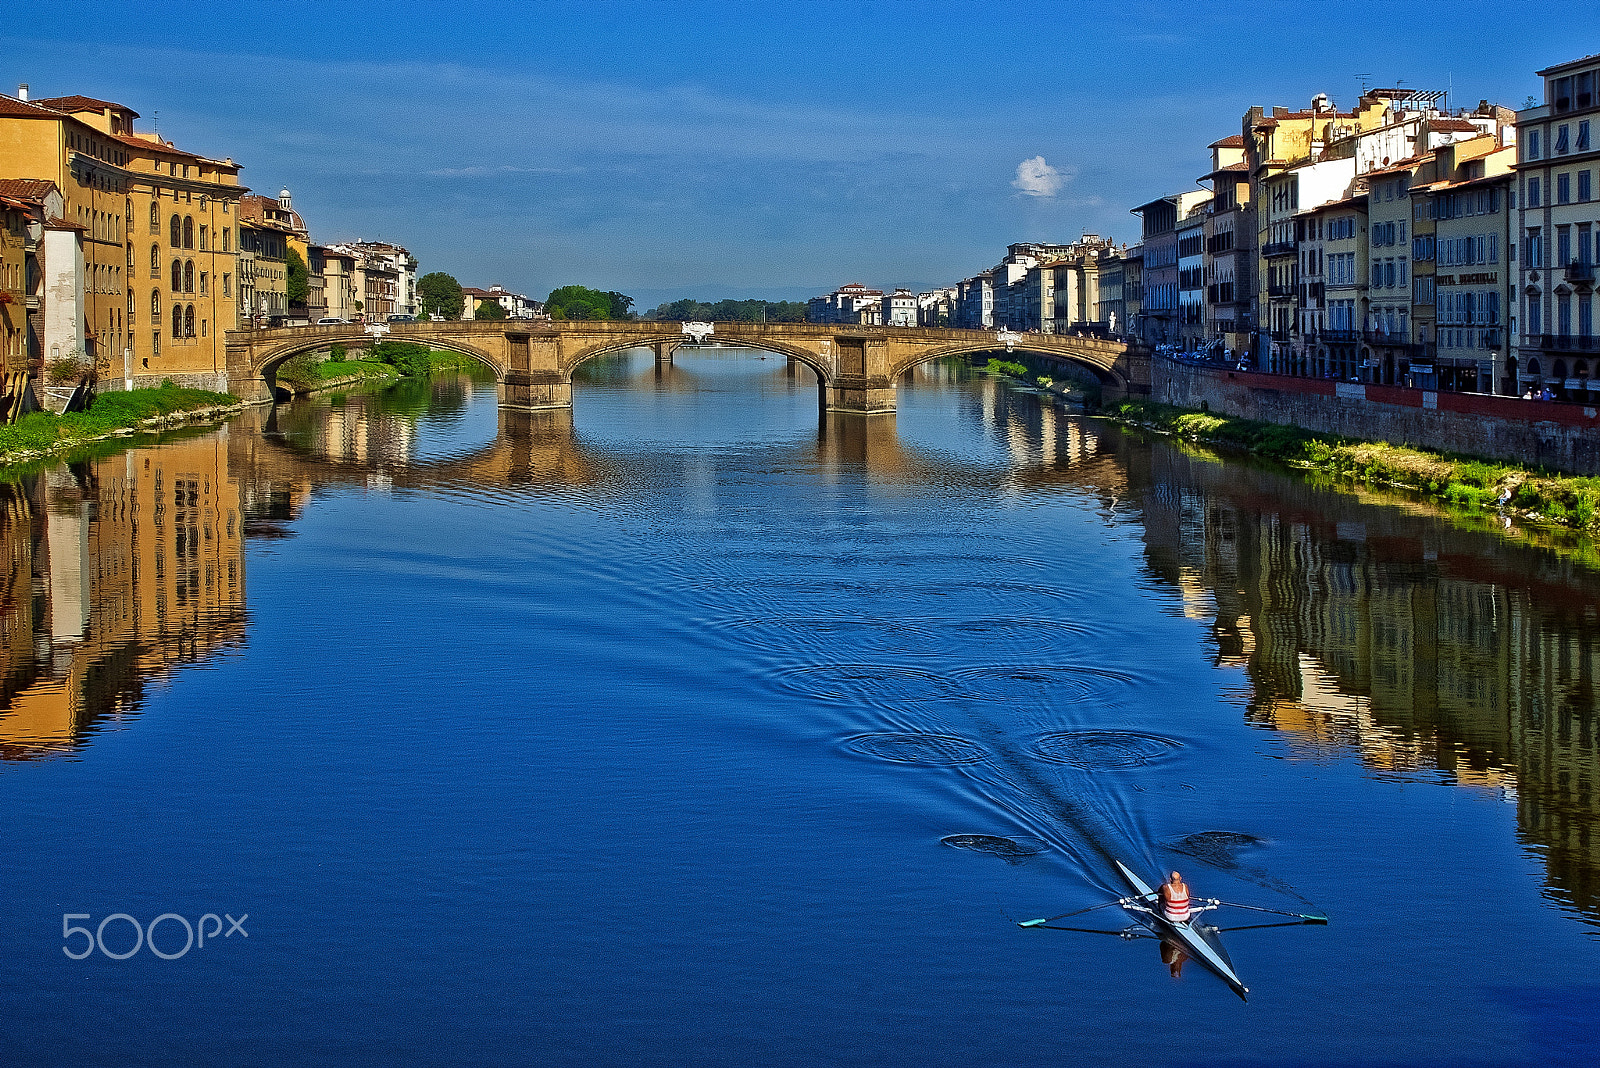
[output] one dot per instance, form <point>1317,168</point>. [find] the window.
<point>1583,135</point>
<point>1561,140</point>
<point>1533,145</point>
<point>155,261</point>
<point>155,215</point>
<point>188,231</point>
<point>155,343</point>
<point>177,320</point>
<point>227,233</point>
<point>204,288</point>
<point>1585,189</point>
<point>227,285</point>
<point>1533,192</point>
<point>1533,315</point>
<point>1563,188</point>
<point>155,305</point>
<point>203,231</point>
<point>188,277</point>
<point>188,321</point>
<point>1535,249</point>
<point>177,276</point>
<point>175,238</point>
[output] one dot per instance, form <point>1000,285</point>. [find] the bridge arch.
<point>1105,374</point>
<point>268,359</point>
<point>676,341</point>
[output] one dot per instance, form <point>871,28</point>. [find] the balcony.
<point>1580,272</point>
<point>1278,248</point>
<point>1340,337</point>
<point>1569,343</point>
<point>1280,291</point>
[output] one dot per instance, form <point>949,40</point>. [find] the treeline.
<point>730,311</point>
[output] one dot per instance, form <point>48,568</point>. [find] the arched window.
<point>177,276</point>
<point>177,320</point>
<point>176,235</point>
<point>155,305</point>
<point>1533,366</point>
<point>202,328</point>
<point>129,214</point>
<point>188,277</point>
<point>188,231</point>
<point>204,200</point>
<point>155,261</point>
<point>188,321</point>
<point>203,232</point>
<point>155,216</point>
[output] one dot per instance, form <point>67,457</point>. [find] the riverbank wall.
<point>1549,434</point>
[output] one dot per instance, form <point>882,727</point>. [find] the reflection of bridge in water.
<point>533,362</point>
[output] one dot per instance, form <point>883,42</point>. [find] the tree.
<point>581,302</point>
<point>489,309</point>
<point>298,278</point>
<point>441,295</point>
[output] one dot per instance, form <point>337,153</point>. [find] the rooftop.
<point>84,103</point>
<point>1557,68</point>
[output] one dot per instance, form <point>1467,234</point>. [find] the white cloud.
<point>1037,178</point>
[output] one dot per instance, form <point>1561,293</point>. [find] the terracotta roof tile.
<point>25,109</point>
<point>32,189</point>
<point>1456,125</point>
<point>1234,141</point>
<point>84,103</point>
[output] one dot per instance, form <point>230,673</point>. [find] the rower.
<point>1175,900</point>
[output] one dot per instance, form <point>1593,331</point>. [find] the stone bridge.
<point>533,360</point>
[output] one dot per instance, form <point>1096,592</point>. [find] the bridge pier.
<point>535,390</point>
<point>664,351</point>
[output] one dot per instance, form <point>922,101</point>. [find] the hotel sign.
<point>1490,278</point>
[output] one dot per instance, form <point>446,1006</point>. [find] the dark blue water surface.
<point>692,728</point>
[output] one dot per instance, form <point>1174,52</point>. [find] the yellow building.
<point>15,219</point>
<point>267,229</point>
<point>154,292</point>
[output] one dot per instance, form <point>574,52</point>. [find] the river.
<point>690,727</point>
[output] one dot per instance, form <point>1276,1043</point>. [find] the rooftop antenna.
<point>1362,78</point>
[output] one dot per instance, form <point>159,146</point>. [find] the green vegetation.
<point>1048,374</point>
<point>440,294</point>
<point>489,310</point>
<point>297,278</point>
<point>580,302</point>
<point>730,311</point>
<point>451,361</point>
<point>407,357</point>
<point>110,412</point>
<point>1466,481</point>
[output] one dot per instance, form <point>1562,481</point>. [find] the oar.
<point>1302,917</point>
<point>1086,930</point>
<point>1258,926</point>
<point>1064,915</point>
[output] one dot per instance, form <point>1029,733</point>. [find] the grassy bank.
<point>1570,500</point>
<point>42,433</point>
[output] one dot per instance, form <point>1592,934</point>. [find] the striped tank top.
<point>1175,909</point>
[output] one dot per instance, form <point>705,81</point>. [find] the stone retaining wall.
<point>1552,434</point>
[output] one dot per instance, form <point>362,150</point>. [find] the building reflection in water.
<point>1425,649</point>
<point>118,570</point>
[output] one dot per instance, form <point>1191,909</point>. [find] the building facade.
<point>1558,228</point>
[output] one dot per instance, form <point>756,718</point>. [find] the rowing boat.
<point>1201,941</point>
<point>1198,940</point>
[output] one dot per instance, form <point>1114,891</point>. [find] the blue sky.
<point>747,149</point>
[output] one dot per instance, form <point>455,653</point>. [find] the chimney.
<point>22,91</point>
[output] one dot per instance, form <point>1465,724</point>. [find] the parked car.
<point>332,321</point>
<point>400,317</point>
